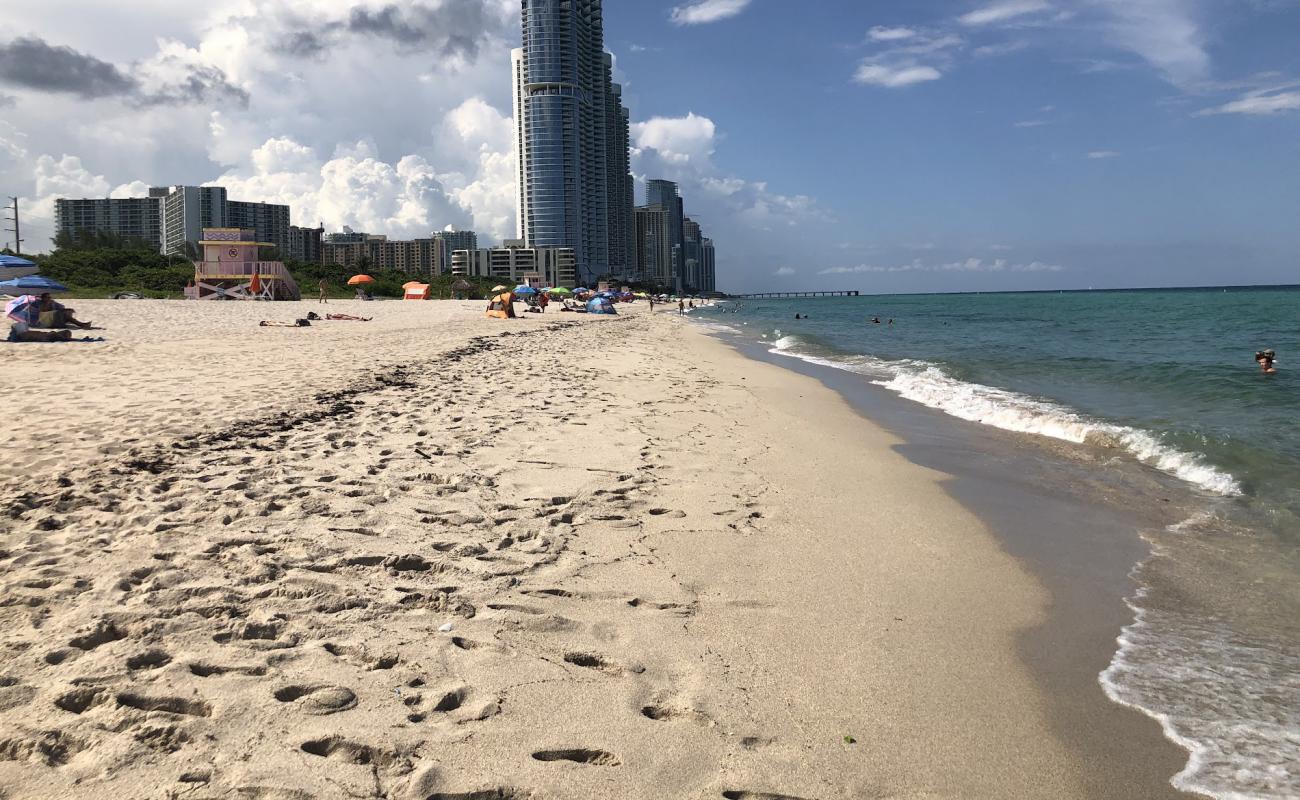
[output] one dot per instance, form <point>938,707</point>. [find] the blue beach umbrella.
<point>525,290</point>
<point>32,284</point>
<point>15,267</point>
<point>14,261</point>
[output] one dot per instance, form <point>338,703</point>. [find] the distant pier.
<point>791,295</point>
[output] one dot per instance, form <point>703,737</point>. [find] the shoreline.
<point>1087,563</point>
<point>668,570</point>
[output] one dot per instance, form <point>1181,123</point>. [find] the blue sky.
<point>882,146</point>
<point>1058,134</point>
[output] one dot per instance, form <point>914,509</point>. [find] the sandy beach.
<point>439,556</point>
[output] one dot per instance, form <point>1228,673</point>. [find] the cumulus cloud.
<point>677,139</point>
<point>32,63</point>
<point>1258,103</point>
<point>1002,11</point>
<point>451,29</point>
<point>784,272</point>
<point>702,12</point>
<point>967,265</point>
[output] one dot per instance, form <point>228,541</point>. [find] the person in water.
<point>1265,359</point>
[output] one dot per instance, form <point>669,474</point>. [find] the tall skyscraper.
<point>570,137</point>
<point>665,195</point>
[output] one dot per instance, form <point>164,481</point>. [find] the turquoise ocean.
<point>1162,381</point>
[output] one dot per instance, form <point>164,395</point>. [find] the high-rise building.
<point>708,270</point>
<point>271,221</point>
<point>692,254</point>
<point>305,243</point>
<point>567,138</point>
<point>514,263</point>
<point>187,210</point>
<point>452,241</point>
<point>133,219</point>
<point>622,225</point>
<point>665,195</point>
<point>654,251</point>
<point>416,257</point>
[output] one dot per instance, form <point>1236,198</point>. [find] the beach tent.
<point>502,306</point>
<point>600,305</point>
<point>416,291</point>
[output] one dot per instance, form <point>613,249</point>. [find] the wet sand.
<point>438,556</point>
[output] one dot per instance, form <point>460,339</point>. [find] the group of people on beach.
<point>49,314</point>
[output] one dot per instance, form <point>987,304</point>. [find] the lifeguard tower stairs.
<point>230,269</point>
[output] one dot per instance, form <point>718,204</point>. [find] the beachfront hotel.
<point>516,263</point>
<point>571,137</point>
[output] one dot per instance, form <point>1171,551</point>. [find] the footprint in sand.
<point>318,700</point>
<point>595,758</point>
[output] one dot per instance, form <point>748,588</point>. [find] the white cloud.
<point>1002,11</point>
<point>1258,103</point>
<point>883,34</point>
<point>1163,32</point>
<point>677,139</point>
<point>785,272</point>
<point>1031,123</point>
<point>1098,155</point>
<point>894,77</point>
<point>703,12</point>
<point>970,265</point>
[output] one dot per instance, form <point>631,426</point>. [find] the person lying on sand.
<point>301,323</point>
<point>22,332</point>
<point>347,318</point>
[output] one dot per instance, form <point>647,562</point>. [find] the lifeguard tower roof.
<point>232,236</point>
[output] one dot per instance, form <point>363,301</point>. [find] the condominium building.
<point>692,254</point>
<point>187,210</point>
<point>654,251</point>
<point>455,240</point>
<point>305,243</point>
<point>513,263</point>
<point>665,195</point>
<point>271,221</point>
<point>416,257</point>
<point>708,268</point>
<point>570,136</point>
<point>134,219</point>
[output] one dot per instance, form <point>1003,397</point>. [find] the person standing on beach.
<point>681,308</point>
<point>543,301</point>
<point>323,286</point>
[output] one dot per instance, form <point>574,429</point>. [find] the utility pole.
<point>18,239</point>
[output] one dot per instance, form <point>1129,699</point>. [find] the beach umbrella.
<point>32,284</point>
<point>525,290</point>
<point>559,290</point>
<point>498,288</point>
<point>359,280</point>
<point>581,290</point>
<point>14,261</point>
<point>23,308</point>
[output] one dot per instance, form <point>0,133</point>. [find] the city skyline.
<point>898,147</point>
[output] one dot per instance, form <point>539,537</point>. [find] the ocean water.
<point>1145,380</point>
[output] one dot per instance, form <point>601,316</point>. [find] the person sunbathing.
<point>22,332</point>
<point>347,318</point>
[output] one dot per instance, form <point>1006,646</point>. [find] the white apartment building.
<point>514,264</point>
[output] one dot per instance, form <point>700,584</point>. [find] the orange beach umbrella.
<point>358,280</point>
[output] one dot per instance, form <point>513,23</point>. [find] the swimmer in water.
<point>1265,359</point>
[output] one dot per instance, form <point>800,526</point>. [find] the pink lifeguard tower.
<point>230,269</point>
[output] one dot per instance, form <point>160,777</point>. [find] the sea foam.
<point>929,385</point>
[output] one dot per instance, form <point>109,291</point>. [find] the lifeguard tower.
<point>230,269</point>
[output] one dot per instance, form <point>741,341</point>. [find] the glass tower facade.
<point>568,136</point>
